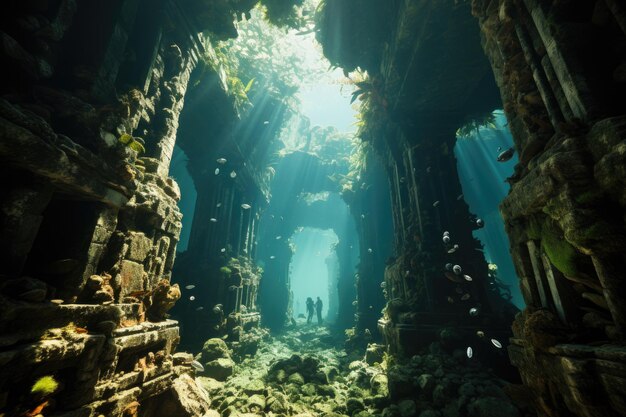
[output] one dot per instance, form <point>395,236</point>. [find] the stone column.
<point>176,68</point>
<point>610,271</point>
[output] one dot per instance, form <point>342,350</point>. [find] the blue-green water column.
<point>484,187</point>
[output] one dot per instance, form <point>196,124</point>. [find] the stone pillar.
<point>610,271</point>
<point>176,68</point>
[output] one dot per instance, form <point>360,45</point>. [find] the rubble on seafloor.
<point>306,372</point>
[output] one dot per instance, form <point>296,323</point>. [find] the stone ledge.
<point>21,321</point>
<point>145,326</point>
<point>131,379</point>
<point>146,338</point>
<point>57,165</point>
<point>579,374</point>
<point>48,350</point>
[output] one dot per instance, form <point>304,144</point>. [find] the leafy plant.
<point>473,126</point>
<point>267,54</point>
<point>373,108</point>
<point>136,144</point>
<point>223,64</point>
<point>44,386</point>
<point>285,13</point>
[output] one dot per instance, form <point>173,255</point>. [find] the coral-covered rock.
<point>379,384</point>
<point>219,369</point>
<point>374,353</point>
<point>191,399</point>
<point>214,348</point>
<point>163,299</point>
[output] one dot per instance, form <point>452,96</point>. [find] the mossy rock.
<point>214,348</point>
<point>561,253</point>
<point>296,379</point>
<point>533,229</point>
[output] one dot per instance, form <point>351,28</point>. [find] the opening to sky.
<point>326,103</point>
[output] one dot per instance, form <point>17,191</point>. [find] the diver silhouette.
<point>310,307</point>
<point>318,307</point>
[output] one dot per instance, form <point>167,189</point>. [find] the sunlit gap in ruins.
<point>313,274</point>
<point>477,149</point>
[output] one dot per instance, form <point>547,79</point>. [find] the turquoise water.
<point>483,182</point>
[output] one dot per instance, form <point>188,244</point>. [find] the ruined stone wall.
<point>89,111</point>
<point>414,104</point>
<point>425,292</point>
<point>219,265</point>
<point>560,69</point>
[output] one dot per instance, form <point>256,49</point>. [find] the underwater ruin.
<point>313,208</point>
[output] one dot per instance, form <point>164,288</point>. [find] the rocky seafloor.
<point>307,372</point>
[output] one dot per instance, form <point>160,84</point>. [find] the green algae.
<point>44,386</point>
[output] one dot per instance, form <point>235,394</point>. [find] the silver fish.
<point>506,155</point>
<point>197,366</point>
